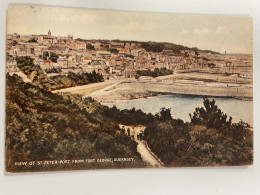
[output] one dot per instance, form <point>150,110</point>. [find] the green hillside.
<point>41,126</point>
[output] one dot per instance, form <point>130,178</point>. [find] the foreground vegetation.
<point>41,126</point>
<point>40,78</point>
<point>208,140</point>
<point>157,72</point>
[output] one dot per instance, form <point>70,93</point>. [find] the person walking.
<point>128,131</point>
<point>140,135</point>
<point>123,130</point>
<point>133,133</point>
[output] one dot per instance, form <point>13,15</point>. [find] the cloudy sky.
<point>218,33</point>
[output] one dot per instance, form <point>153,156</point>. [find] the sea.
<point>183,105</point>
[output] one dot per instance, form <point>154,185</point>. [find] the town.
<point>119,60</point>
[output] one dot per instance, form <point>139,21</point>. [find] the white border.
<point>194,181</point>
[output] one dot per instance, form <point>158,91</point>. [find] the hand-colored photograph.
<point>105,89</point>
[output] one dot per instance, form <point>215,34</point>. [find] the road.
<point>142,148</point>
<point>101,91</point>
<point>147,155</point>
<point>71,89</point>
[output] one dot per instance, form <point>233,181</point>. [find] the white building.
<point>80,45</point>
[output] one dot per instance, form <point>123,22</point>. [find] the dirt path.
<point>142,148</point>
<point>98,93</point>
<point>147,155</point>
<point>82,87</point>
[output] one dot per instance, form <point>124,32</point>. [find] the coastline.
<point>136,90</point>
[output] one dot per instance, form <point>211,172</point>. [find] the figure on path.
<point>133,132</point>
<point>123,130</point>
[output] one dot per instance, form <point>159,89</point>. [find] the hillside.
<point>42,126</point>
<point>40,78</point>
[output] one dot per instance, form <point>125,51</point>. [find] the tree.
<point>114,51</point>
<point>157,72</point>
<point>54,57</point>
<point>164,114</point>
<point>152,46</point>
<point>130,56</point>
<point>33,40</point>
<point>45,55</point>
<point>14,43</point>
<point>210,115</point>
<point>90,47</point>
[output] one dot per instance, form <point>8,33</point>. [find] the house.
<point>141,64</point>
<point>29,50</point>
<point>38,50</point>
<point>103,54</point>
<point>80,45</point>
<point>63,62</point>
<point>46,40</point>
<point>47,64</point>
<point>65,40</point>
<point>123,51</point>
<point>98,64</point>
<point>120,61</point>
<point>86,60</point>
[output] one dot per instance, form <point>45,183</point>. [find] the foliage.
<point>114,51</point>
<point>152,46</point>
<point>209,139</point>
<point>38,77</point>
<point>14,43</point>
<point>32,40</point>
<point>210,115</point>
<point>53,70</point>
<point>157,72</point>
<point>45,55</point>
<point>35,73</point>
<point>73,79</point>
<point>210,142</point>
<point>41,125</point>
<point>128,117</point>
<point>90,47</point>
<point>159,47</point>
<point>130,56</point>
<point>209,51</point>
<point>53,57</point>
<point>164,114</point>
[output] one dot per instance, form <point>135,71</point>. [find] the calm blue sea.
<point>182,105</point>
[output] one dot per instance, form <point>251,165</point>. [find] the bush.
<point>157,72</point>
<point>41,125</point>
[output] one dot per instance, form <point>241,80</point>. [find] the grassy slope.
<point>45,126</point>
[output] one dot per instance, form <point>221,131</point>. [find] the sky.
<point>218,33</point>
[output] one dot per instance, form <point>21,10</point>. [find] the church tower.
<point>49,33</point>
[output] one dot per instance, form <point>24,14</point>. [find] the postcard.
<point>106,89</point>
